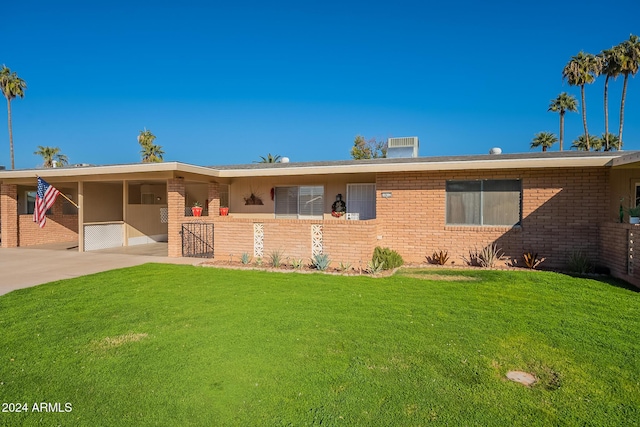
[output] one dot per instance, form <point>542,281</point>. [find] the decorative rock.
<point>521,377</point>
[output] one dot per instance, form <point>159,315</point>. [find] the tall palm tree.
<point>544,140</point>
<point>146,137</point>
<point>582,69</point>
<point>629,60</point>
<point>610,68</point>
<point>11,86</point>
<point>269,159</point>
<point>583,144</point>
<point>51,155</point>
<point>563,103</point>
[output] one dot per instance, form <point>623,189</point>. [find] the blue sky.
<point>226,82</point>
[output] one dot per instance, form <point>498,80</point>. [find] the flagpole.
<point>68,199</point>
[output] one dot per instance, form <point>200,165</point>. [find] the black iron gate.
<point>197,240</point>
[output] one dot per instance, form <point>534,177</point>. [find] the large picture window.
<point>484,202</point>
<point>299,202</point>
<point>361,200</point>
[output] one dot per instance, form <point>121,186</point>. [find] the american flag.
<point>45,198</point>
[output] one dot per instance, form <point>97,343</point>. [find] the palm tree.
<point>614,142</point>
<point>151,153</point>
<point>582,69</point>
<point>544,140</point>
<point>583,144</point>
<point>563,103</point>
<point>51,155</point>
<point>269,159</point>
<point>11,86</point>
<point>610,68</point>
<point>629,60</point>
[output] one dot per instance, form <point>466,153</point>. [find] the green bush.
<point>389,259</point>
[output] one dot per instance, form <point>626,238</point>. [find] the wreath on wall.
<point>339,207</point>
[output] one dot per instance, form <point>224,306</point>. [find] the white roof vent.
<point>495,150</point>
<point>402,147</point>
<point>284,160</point>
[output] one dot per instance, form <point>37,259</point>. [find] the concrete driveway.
<point>23,267</point>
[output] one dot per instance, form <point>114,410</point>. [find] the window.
<point>361,199</point>
<point>485,202</point>
<point>30,203</point>
<point>299,202</point>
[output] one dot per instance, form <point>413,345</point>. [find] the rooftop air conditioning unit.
<point>402,147</point>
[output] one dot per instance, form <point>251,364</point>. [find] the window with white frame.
<point>299,201</point>
<point>484,202</point>
<point>361,200</point>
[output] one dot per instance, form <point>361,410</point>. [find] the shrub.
<point>245,258</point>
<point>258,261</point>
<point>439,258</point>
<point>388,258</point>
<point>321,261</point>
<point>296,263</point>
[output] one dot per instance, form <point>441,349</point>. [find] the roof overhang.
<point>201,173</point>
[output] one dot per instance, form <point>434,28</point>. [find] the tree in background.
<point>544,140</point>
<point>583,144</point>
<point>581,70</point>
<point>269,159</point>
<point>12,86</point>
<point>563,103</point>
<point>629,60</point>
<point>610,68</point>
<point>372,149</point>
<point>151,153</point>
<point>50,155</point>
<point>614,142</point>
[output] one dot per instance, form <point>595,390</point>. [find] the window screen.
<point>361,199</point>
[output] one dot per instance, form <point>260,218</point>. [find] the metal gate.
<point>197,240</point>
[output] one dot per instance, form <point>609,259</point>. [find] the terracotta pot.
<point>196,210</point>
<point>224,211</point>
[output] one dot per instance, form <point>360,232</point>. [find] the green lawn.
<point>179,345</point>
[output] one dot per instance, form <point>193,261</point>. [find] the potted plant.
<point>196,209</point>
<point>224,210</point>
<point>634,215</point>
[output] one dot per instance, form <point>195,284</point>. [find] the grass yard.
<point>179,345</point>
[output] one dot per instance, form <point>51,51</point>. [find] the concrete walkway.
<point>24,267</point>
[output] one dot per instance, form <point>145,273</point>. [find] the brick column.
<point>175,204</point>
<point>214,199</point>
<point>9,215</point>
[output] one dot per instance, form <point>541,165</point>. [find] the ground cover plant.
<point>182,345</point>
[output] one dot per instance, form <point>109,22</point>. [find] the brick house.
<point>550,203</point>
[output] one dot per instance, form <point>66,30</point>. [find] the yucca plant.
<point>275,258</point>
<point>297,263</point>
<point>579,262</point>
<point>344,266</point>
<point>489,255</point>
<point>258,261</point>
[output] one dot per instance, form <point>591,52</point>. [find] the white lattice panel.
<point>316,239</point>
<point>164,215</point>
<point>102,236</point>
<point>630,252</point>
<point>258,240</point>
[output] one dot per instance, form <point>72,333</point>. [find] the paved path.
<point>22,268</point>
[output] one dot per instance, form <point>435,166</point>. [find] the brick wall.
<point>561,210</point>
<point>59,228</point>
<point>175,206</point>
<point>9,215</point>
<point>613,246</point>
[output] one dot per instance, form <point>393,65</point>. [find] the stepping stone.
<point>521,377</point>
